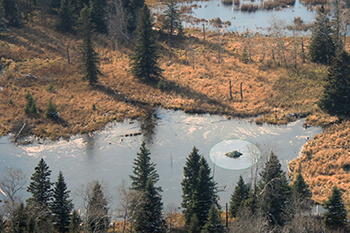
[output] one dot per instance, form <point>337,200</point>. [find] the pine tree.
<point>274,191</point>
<point>89,57</point>
<point>321,48</point>
<point>238,197</point>
<point>19,219</point>
<point>144,62</point>
<point>335,214</point>
<point>61,206</point>
<point>144,170</point>
<point>51,111</point>
<point>97,209</point>
<point>214,223</point>
<point>66,16</point>
<point>40,186</point>
<point>148,218</point>
<point>336,98</point>
<point>194,226</point>
<point>3,20</point>
<point>132,10</point>
<point>74,225</point>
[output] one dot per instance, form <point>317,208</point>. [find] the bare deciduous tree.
<point>277,31</point>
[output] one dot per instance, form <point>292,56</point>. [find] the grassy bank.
<point>197,77</point>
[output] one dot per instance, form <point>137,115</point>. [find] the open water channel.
<point>108,155</point>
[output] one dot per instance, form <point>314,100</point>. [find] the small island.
<point>234,154</point>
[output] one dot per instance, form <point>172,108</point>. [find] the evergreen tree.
<point>301,194</point>
<point>336,98</point>
<point>55,5</point>
<point>3,20</point>
<point>30,105</point>
<point>74,225</point>
<point>238,197</point>
<point>274,191</point>
<point>214,223</point>
<point>98,15</point>
<point>206,190</point>
<point>61,206</point>
<point>321,48</point>
<point>11,12</point>
<point>51,111</point>
<point>144,62</point>
<point>132,10</point>
<point>66,16</point>
<point>40,186</point>
<point>148,217</point>
<point>335,214</point>
<point>19,219</point>
<point>144,170</point>
<point>89,57</point>
<point>172,17</point>
<point>189,182</point>
<point>194,226</point>
<point>97,210</point>
<point>199,189</point>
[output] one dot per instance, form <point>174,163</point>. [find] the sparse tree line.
<point>269,203</point>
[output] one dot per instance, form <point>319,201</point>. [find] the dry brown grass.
<point>325,162</point>
<point>197,80</point>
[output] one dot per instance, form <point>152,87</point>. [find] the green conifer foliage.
<point>61,206</point>
<point>301,194</point>
<point>214,223</point>
<point>336,94</point>
<point>19,219</point>
<point>194,226</point>
<point>51,111</point>
<point>98,15</point>
<point>40,186</point>
<point>3,20</point>
<point>238,197</point>
<point>132,11</point>
<point>322,48</point>
<point>335,214</point>
<point>89,57</point>
<point>172,17</point>
<point>97,209</point>
<point>11,13</point>
<point>144,62</point>
<point>75,220</point>
<point>274,191</point>
<point>30,105</point>
<point>66,16</point>
<point>149,214</point>
<point>144,170</point>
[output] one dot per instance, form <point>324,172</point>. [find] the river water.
<point>108,155</point>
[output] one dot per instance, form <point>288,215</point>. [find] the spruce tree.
<point>3,20</point>
<point>336,98</point>
<point>98,15</point>
<point>66,16</point>
<point>19,219</point>
<point>97,209</point>
<point>238,197</point>
<point>30,105</point>
<point>301,194</point>
<point>172,17</point>
<point>61,206</point>
<point>335,215</point>
<point>132,10</point>
<point>274,191</point>
<point>148,217</point>
<point>75,220</point>
<point>89,57</point>
<point>144,170</point>
<point>214,223</point>
<point>40,186</point>
<point>199,189</point>
<point>206,189</point>
<point>11,13</point>
<point>194,226</point>
<point>321,48</point>
<point>189,182</point>
<point>144,61</point>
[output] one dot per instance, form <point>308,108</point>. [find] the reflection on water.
<point>108,155</point>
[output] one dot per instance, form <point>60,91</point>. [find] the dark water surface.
<point>170,137</point>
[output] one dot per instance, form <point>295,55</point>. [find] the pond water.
<point>169,135</point>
